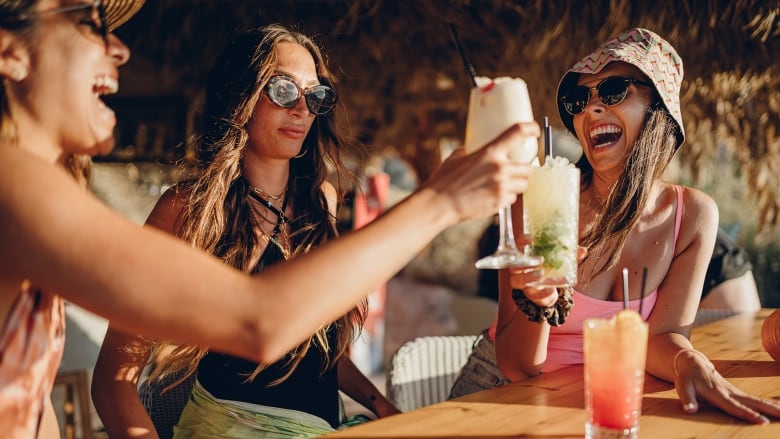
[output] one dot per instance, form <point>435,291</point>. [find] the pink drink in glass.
<point>615,351</point>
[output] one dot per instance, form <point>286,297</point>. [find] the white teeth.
<point>604,134</point>
<point>105,85</point>
<point>605,129</point>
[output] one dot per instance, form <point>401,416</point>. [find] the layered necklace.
<point>266,200</point>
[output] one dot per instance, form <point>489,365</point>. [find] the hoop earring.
<point>301,154</point>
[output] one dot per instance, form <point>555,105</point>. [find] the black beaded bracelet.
<point>554,315</point>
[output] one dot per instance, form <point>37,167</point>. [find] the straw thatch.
<point>406,88</point>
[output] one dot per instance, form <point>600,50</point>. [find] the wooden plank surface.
<point>552,405</point>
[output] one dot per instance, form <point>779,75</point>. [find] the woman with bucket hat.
<point>57,58</point>
<point>622,102</point>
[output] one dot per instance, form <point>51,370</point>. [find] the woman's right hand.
<point>480,183</point>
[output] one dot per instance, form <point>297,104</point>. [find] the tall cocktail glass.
<point>494,106</point>
<point>551,206</point>
<point>615,352</point>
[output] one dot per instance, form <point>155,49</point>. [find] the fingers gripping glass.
<point>611,91</point>
<point>284,92</point>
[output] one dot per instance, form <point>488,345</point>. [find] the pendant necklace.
<point>281,219</point>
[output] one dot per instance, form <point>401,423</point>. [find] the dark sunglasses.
<point>284,92</point>
<point>98,21</point>
<point>611,91</point>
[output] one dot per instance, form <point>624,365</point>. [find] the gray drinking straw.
<point>547,138</point>
<point>642,292</point>
<point>463,56</point>
<point>625,288</point>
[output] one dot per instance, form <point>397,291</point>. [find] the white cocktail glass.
<point>494,106</point>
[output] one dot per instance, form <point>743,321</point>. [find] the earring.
<point>19,74</point>
<point>301,154</point>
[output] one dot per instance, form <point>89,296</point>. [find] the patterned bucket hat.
<point>648,52</point>
<point>119,11</point>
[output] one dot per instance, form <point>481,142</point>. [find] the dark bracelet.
<point>554,315</point>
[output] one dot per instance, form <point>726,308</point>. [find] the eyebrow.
<point>291,76</point>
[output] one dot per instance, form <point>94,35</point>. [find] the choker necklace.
<point>268,196</point>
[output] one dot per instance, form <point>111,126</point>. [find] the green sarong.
<point>205,416</point>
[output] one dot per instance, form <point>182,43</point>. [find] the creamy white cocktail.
<point>494,106</point>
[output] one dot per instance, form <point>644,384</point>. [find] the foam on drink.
<point>495,105</point>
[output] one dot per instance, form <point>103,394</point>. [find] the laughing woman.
<point>622,102</point>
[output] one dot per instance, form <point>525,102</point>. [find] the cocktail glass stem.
<point>507,253</point>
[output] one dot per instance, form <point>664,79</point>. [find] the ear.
<point>14,56</point>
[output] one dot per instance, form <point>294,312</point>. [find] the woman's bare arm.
<point>143,280</point>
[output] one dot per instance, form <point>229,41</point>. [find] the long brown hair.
<point>217,218</point>
<point>646,162</point>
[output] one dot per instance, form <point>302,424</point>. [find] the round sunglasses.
<point>284,92</point>
<point>611,91</point>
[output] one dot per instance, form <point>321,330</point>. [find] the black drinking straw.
<point>463,56</point>
<point>625,288</point>
<point>642,292</point>
<point>547,138</point>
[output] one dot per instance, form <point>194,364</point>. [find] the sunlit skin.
<point>78,121</point>
<point>629,116</point>
<point>276,134</point>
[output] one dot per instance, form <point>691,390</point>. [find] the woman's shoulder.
<point>699,217</point>
<point>169,206</point>
<point>697,203</point>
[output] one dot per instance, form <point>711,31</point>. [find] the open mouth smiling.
<point>604,135</point>
<point>105,85</point>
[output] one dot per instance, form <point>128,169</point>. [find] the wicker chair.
<point>423,370</point>
<point>164,408</point>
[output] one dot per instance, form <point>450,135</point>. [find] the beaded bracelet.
<point>554,315</point>
<point>681,351</point>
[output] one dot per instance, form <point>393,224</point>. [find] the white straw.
<point>625,288</point>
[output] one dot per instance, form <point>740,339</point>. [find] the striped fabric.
<point>423,370</point>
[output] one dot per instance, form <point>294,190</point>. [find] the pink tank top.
<point>564,347</point>
<point>31,344</point>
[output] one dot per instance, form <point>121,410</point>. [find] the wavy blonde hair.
<point>217,218</point>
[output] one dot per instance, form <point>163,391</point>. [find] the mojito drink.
<point>615,350</point>
<point>551,216</point>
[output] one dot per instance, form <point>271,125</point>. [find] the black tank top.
<point>308,389</point>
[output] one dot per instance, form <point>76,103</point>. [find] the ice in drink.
<point>615,351</point>
<point>551,216</point>
<point>495,105</point>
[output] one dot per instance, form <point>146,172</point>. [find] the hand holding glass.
<point>494,106</point>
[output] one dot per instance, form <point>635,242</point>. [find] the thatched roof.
<point>406,88</point>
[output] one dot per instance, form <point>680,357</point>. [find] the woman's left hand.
<point>697,379</point>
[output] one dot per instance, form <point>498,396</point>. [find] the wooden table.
<point>552,405</point>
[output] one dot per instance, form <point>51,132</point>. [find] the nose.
<point>117,50</point>
<point>594,101</point>
<point>300,108</point>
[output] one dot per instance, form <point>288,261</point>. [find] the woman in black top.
<point>269,140</point>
